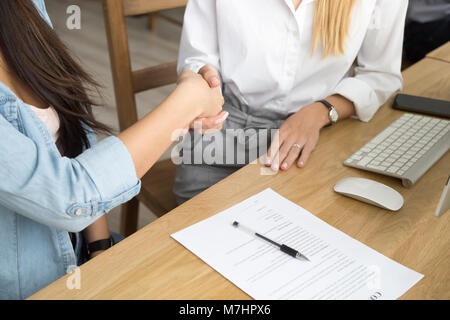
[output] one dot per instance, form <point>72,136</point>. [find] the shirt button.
<point>79,212</point>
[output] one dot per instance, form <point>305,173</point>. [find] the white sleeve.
<point>378,71</point>
<point>199,45</point>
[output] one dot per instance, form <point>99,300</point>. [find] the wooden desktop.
<point>442,53</point>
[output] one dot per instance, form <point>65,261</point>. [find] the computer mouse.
<point>371,192</point>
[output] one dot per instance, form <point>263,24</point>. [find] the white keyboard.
<point>406,149</point>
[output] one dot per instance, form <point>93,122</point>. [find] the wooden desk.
<point>441,53</point>
<point>151,265</point>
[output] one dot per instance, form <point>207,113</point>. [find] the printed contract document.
<point>340,267</point>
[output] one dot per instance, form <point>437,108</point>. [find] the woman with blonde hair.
<point>295,65</point>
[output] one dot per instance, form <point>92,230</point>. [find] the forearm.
<point>146,141</point>
<point>150,137</point>
<point>344,107</point>
<point>97,231</point>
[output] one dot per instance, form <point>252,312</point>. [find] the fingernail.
<point>275,167</point>
<point>301,164</point>
<point>284,166</point>
<point>215,80</point>
<point>223,118</point>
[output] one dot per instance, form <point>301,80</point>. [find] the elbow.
<point>396,84</point>
<point>393,82</point>
<point>380,95</point>
<point>75,218</point>
<point>80,216</point>
<point>74,224</point>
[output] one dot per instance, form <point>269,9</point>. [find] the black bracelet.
<point>99,245</point>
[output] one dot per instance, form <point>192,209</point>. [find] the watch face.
<point>334,116</point>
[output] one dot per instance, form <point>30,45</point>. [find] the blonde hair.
<point>332,19</point>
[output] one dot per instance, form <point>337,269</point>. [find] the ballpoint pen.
<point>284,248</point>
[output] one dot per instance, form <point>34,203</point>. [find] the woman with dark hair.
<point>55,180</point>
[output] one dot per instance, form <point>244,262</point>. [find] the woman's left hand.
<point>297,137</point>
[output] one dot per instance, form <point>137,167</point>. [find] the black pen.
<point>284,248</point>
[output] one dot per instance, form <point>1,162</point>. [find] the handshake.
<point>204,88</point>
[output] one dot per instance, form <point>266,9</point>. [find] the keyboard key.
<point>383,135</point>
<point>371,166</point>
<point>363,162</point>
<point>393,169</point>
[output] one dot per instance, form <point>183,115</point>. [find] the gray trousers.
<point>209,158</point>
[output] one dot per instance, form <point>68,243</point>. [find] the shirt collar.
<point>290,4</point>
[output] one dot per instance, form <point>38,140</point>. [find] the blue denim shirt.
<point>44,196</point>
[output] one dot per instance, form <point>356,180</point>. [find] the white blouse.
<point>50,118</point>
<point>262,50</point>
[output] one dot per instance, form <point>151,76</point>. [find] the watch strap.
<point>99,245</point>
<point>327,104</point>
<point>330,108</point>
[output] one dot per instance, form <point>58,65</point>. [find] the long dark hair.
<point>35,54</point>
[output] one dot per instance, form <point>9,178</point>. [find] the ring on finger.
<point>292,155</point>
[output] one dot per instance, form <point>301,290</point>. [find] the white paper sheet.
<point>340,267</point>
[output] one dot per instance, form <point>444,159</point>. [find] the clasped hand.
<point>296,138</point>
<point>215,122</point>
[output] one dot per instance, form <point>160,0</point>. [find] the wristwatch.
<point>333,114</point>
<point>99,245</point>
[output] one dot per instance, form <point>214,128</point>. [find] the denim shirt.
<point>44,196</point>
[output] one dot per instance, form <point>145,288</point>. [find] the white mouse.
<point>371,192</point>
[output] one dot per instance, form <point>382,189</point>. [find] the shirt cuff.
<point>110,166</point>
<point>194,67</point>
<point>362,96</point>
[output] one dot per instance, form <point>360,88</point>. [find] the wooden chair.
<point>152,17</point>
<point>156,192</point>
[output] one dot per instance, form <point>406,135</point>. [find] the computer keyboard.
<point>406,149</point>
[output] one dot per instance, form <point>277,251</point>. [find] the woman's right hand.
<point>208,101</point>
<point>147,139</point>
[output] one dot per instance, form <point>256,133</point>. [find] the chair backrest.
<point>127,82</point>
